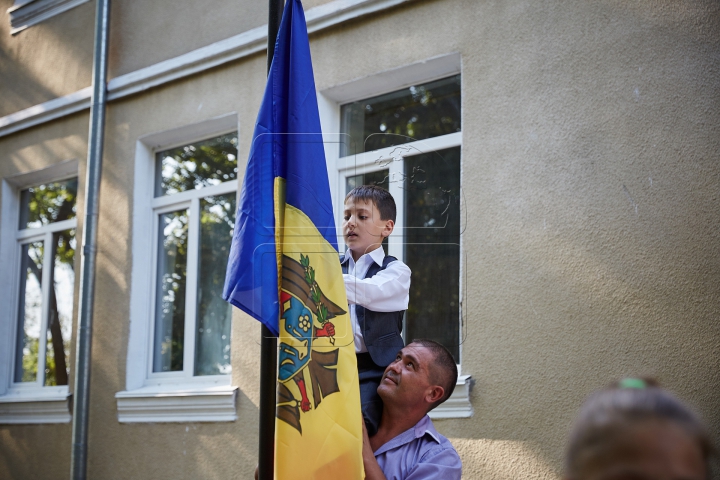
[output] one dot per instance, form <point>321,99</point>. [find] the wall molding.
<point>33,406</point>
<point>152,405</point>
<point>219,53</point>
<point>27,13</point>
<point>45,112</point>
<point>458,405</point>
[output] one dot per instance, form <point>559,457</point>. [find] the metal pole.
<point>268,342</point>
<point>81,400</point>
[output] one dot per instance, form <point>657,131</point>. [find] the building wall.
<point>48,60</point>
<point>590,175</point>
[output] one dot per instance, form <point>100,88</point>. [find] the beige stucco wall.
<point>591,140</point>
<point>54,58</point>
<point>45,61</point>
<point>591,136</point>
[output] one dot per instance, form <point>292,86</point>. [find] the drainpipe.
<point>81,395</point>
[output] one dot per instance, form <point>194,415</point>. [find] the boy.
<point>378,291</point>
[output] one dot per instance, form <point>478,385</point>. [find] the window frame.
<point>29,402</point>
<point>189,200</point>
<point>168,396</point>
<point>339,168</point>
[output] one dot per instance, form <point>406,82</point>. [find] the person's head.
<point>635,430</point>
<point>422,377</point>
<point>368,217</point>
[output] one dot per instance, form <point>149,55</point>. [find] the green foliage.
<point>50,369</point>
<point>415,113</point>
<point>51,203</point>
<point>30,359</point>
<point>197,165</point>
<point>48,203</point>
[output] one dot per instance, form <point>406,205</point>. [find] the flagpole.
<point>268,342</point>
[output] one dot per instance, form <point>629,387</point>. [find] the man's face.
<point>406,381</point>
<point>363,230</point>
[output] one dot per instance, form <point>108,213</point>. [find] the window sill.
<point>458,405</point>
<point>35,11</point>
<point>177,403</point>
<point>33,406</point>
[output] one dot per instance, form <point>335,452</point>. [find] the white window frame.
<point>330,100</point>
<point>169,396</point>
<point>27,402</point>
<point>26,13</point>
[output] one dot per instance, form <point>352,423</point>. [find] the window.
<point>178,366</point>
<point>401,129</point>
<point>39,258</point>
<point>46,248</point>
<point>194,208</point>
<point>392,132</point>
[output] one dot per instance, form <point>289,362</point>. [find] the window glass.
<point>29,312</point>
<point>170,302</point>
<point>432,249</point>
<point>378,178</point>
<point>214,315</point>
<point>193,249</point>
<point>47,275</point>
<point>48,203</point>
<point>61,309</point>
<point>414,113</point>
<point>196,165</point>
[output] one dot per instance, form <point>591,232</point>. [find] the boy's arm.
<point>387,291</point>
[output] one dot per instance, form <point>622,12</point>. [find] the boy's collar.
<point>377,255</point>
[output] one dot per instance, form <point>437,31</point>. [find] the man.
<point>406,445</point>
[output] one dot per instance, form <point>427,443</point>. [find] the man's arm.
<point>387,291</point>
<point>372,468</point>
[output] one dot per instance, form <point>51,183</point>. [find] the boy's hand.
<point>328,330</point>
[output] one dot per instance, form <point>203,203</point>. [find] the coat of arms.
<point>305,318</point>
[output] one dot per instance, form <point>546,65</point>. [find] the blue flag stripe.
<point>287,143</point>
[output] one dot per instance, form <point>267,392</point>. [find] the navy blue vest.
<point>380,330</point>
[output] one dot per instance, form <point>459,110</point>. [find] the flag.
<point>283,270</point>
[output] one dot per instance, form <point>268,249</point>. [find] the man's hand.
<point>372,468</point>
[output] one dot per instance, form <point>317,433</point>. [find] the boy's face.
<point>363,230</point>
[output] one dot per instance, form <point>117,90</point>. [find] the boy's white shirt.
<point>387,291</point>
